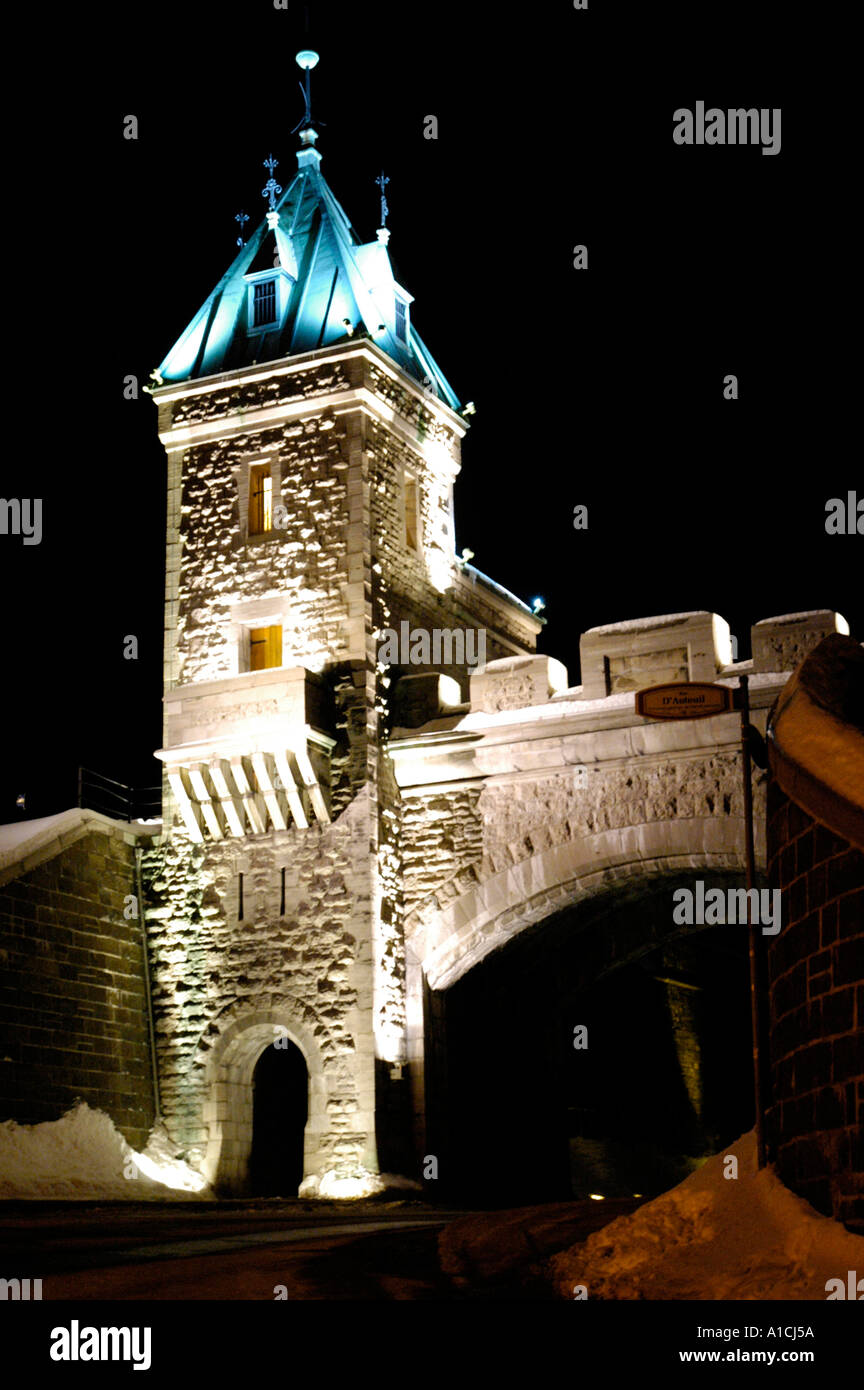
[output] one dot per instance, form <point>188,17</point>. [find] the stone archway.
<point>450,933</point>
<point>228,1110</point>
<point>506,1116</point>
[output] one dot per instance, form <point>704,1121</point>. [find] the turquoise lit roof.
<point>323,275</point>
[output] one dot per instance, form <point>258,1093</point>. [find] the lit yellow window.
<point>265,648</point>
<point>260,499</point>
<point>411,512</point>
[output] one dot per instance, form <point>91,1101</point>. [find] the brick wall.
<point>816,1002</point>
<point>74,1019</point>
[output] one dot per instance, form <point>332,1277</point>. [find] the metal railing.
<point>110,798</point>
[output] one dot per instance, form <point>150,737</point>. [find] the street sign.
<point>684,700</point>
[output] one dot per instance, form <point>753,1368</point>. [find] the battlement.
<point>625,657</point>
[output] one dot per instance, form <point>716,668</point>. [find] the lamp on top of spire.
<point>306,59</point>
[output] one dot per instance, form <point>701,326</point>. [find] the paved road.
<point>257,1250</point>
<point>248,1252</point>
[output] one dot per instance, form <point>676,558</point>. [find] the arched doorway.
<point>244,1036</point>
<point>280,1109</point>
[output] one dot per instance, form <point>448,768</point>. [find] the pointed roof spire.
<point>325,280</point>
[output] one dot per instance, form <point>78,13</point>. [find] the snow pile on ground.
<point>83,1156</point>
<point>360,1184</point>
<point>714,1237</point>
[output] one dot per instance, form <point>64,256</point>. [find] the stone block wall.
<point>300,568</point>
<point>442,837</point>
<point>780,644</point>
<point>816,1012</point>
<point>74,1020</point>
<point>296,382</point>
<point>309,966</point>
<point>306,575</point>
<point>652,651</point>
<point>517,681</point>
<point>425,587</point>
<point>480,833</point>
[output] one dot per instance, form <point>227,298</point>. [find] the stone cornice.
<point>495,747</point>
<point>337,352</point>
<point>339,402</point>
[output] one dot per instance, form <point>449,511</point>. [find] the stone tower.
<point>312,446</point>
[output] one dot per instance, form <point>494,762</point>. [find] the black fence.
<point>115,799</point>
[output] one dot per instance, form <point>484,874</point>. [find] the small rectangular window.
<point>264,303</point>
<point>260,499</point>
<point>412,526</point>
<point>239,897</point>
<point>401,320</point>
<point>265,648</point>
<point>282,896</point>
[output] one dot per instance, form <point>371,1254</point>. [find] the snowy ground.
<point>711,1237</point>
<point>83,1156</point>
<point>714,1237</point>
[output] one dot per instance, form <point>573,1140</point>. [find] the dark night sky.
<point>602,388</point>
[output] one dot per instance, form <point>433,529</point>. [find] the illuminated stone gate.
<point>539,797</point>
<point>337,831</point>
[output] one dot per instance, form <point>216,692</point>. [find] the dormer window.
<point>401,320</point>
<point>268,294</point>
<point>264,303</point>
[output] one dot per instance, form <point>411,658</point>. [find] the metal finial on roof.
<point>242,218</point>
<point>382,183</point>
<point>271,187</point>
<point>307,59</point>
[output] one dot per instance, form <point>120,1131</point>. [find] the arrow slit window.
<point>412,512</point>
<point>260,499</point>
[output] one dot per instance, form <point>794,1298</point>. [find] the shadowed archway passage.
<point>280,1109</point>
<point>605,1051</point>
